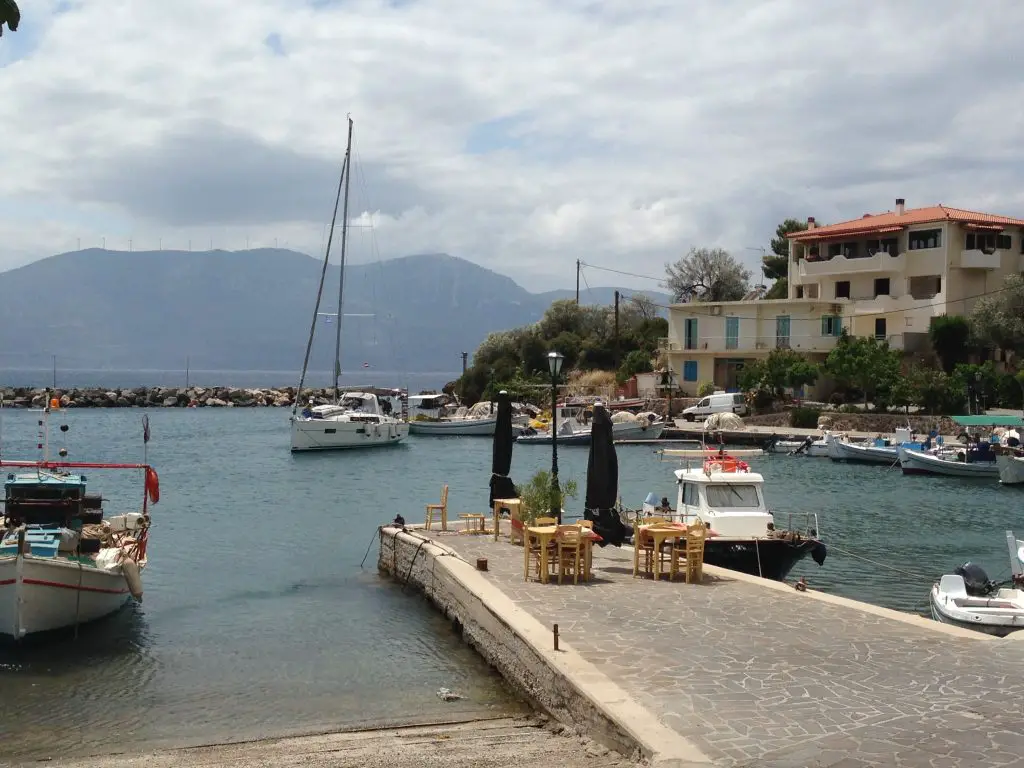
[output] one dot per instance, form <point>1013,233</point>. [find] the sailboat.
<point>357,418</point>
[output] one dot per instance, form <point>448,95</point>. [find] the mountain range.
<point>251,310</point>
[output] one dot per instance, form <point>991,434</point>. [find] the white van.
<point>719,402</point>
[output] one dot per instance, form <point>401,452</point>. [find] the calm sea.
<point>258,619</point>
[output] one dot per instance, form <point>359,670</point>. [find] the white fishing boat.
<point>723,494</point>
<point>573,427</point>
<point>62,562</point>
<point>968,598</point>
<point>430,414</point>
<point>809,446</point>
<point>359,417</point>
<point>1011,469</point>
<point>966,462</point>
<point>877,451</point>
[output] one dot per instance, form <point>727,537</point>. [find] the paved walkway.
<point>762,677</point>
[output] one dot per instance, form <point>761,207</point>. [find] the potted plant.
<point>536,496</point>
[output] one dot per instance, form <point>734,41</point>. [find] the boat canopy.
<point>995,420</point>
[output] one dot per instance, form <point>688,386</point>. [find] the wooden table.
<point>545,534</point>
<point>659,534</point>
<point>514,507</point>
<point>474,523</point>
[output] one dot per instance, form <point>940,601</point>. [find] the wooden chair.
<point>542,521</point>
<point>693,547</point>
<point>569,548</point>
<point>642,546</point>
<point>533,557</point>
<point>439,510</point>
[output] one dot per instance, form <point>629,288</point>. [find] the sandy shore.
<point>498,743</point>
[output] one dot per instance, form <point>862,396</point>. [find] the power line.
<point>660,280</point>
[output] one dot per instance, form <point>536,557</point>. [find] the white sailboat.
<point>355,419</point>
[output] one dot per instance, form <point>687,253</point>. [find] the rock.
<point>215,402</point>
<point>170,402</point>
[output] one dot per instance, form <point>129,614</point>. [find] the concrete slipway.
<point>737,671</point>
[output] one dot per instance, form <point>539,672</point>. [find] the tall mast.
<point>320,289</point>
<point>341,271</point>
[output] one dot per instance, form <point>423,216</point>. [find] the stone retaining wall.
<point>447,581</point>
<point>159,397</point>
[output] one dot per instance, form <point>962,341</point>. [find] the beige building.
<point>713,342</point>
<point>901,268</point>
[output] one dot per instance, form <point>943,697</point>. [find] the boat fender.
<point>376,430</point>
<point>132,578</point>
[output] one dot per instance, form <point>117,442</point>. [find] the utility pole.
<point>465,358</point>
<point>577,282</point>
<point>616,330</point>
<point>54,373</point>
<point>187,367</point>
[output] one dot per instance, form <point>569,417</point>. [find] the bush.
<point>536,496</point>
<point>705,388</point>
<point>804,418</point>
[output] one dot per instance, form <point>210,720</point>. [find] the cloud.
<point>522,135</point>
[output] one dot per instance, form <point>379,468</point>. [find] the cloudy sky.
<point>519,134</point>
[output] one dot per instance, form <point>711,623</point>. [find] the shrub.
<point>536,495</point>
<point>705,388</point>
<point>804,418</point>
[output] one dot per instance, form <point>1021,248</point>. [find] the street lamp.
<point>555,366</point>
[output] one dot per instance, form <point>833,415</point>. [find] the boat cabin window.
<point>733,495</point>
<point>690,498</point>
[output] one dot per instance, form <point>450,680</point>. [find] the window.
<point>842,289</point>
<point>885,245</point>
<point>986,241</point>
<point>847,250</point>
<point>925,286</point>
<point>800,289</point>
<point>831,325</point>
<point>690,341</point>
<point>705,403</point>
<point>925,238</point>
<point>1004,242</point>
<point>834,249</point>
<point>739,400</point>
<point>689,370</point>
<point>782,331</point>
<point>881,286</point>
<point>732,333</point>
<point>690,497</point>
<point>733,495</point>
<point>879,328</point>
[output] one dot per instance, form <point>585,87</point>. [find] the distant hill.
<point>251,310</point>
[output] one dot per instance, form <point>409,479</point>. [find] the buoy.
<point>55,403</point>
<point>132,578</point>
<point>152,485</point>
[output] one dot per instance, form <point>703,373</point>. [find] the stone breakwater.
<point>160,397</point>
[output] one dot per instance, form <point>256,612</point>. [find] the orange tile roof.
<point>892,222</point>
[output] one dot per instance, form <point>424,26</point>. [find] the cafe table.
<point>545,534</point>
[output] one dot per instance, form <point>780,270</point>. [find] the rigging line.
<point>320,289</point>
<point>880,313</point>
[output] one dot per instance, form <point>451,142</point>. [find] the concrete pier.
<point>736,671</point>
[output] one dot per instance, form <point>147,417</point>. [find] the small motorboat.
<point>968,598</point>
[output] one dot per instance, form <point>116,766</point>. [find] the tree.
<point>776,264</point>
<point>707,274</point>
<point>637,361</point>
<point>935,391</point>
<point>642,306</point>
<point>781,369</point>
<point>998,319</point>
<point>950,336</point>
<point>10,15</point>
<point>864,364</point>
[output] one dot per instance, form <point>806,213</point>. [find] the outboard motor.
<point>976,581</point>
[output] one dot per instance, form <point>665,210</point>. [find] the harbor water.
<point>259,620</point>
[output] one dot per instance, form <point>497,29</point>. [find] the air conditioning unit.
<point>716,310</point>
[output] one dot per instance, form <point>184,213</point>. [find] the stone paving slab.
<point>763,677</point>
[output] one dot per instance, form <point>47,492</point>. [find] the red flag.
<point>145,429</point>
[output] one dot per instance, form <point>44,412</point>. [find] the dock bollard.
<point>481,563</point>
<point>555,628</point>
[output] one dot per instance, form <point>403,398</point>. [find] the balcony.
<point>668,345</point>
<point>980,259</point>
<point>841,265</point>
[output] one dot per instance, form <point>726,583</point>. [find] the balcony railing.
<point>841,265</point>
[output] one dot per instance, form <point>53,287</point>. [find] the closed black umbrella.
<point>501,453</point>
<point>603,481</point>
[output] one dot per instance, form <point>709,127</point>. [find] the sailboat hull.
<point>329,435</point>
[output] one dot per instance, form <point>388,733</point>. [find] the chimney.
<point>899,206</point>
<point>810,222</point>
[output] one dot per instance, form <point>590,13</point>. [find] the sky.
<point>519,134</point>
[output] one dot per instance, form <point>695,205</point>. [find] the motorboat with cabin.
<point>723,494</point>
<point>63,562</point>
<point>968,598</point>
<point>358,419</point>
<point>438,414</point>
<point>976,455</point>
<point>572,425</point>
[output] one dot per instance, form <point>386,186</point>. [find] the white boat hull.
<point>918,463</point>
<point>455,427</point>
<point>628,430</point>
<point>999,623</point>
<point>817,449</point>
<point>863,454</point>
<point>1011,470</point>
<point>328,434</point>
<point>46,594</point>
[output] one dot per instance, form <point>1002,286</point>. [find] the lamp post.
<point>555,366</point>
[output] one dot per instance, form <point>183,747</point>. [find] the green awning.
<point>996,420</point>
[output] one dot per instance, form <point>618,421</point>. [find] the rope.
<point>78,599</point>
<point>848,553</point>
<point>408,574</point>
<point>368,548</point>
